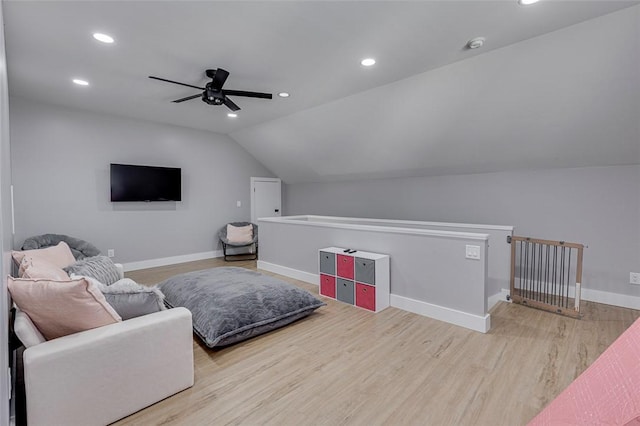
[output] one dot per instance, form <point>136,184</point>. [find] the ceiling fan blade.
<point>229,103</point>
<point>188,98</point>
<point>247,94</point>
<point>219,77</point>
<point>175,82</point>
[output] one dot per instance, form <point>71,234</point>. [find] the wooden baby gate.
<point>546,274</point>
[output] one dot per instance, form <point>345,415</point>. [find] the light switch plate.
<point>238,203</point>
<point>473,252</point>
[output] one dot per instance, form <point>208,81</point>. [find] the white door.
<point>266,198</point>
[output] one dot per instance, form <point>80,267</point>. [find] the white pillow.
<point>239,234</point>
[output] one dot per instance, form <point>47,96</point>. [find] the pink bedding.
<point>606,393</point>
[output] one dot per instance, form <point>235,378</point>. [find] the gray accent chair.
<point>226,244</point>
<point>79,248</point>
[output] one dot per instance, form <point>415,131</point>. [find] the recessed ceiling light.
<point>475,43</point>
<point>103,37</point>
<point>368,62</point>
<point>527,2</point>
<point>232,115</point>
<point>80,82</point>
<point>283,94</point>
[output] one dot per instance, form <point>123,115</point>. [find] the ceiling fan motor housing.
<point>212,97</point>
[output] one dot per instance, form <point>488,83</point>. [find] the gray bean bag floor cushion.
<point>231,304</point>
<point>79,248</point>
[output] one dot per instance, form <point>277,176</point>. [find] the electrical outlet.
<point>473,252</point>
<point>111,253</point>
<point>634,278</point>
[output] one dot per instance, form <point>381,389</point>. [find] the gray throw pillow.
<point>101,268</point>
<point>130,299</point>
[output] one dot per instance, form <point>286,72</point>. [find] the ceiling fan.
<point>213,93</point>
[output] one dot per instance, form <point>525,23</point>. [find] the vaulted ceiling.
<point>547,90</point>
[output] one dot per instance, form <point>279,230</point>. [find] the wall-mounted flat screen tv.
<point>145,183</point>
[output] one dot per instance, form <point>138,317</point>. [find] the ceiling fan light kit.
<point>213,93</point>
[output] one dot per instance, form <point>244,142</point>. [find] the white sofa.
<point>98,376</point>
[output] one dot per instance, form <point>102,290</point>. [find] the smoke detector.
<point>475,43</point>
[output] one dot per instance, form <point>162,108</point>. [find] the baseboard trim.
<point>289,272</point>
<point>498,297</point>
<point>615,299</point>
<point>163,261</point>
<point>452,316</point>
<point>604,297</point>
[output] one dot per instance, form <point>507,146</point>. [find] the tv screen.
<point>145,183</point>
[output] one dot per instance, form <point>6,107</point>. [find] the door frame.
<point>252,188</point>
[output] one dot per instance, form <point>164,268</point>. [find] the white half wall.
<point>596,206</point>
<point>429,272</point>
<point>61,181</point>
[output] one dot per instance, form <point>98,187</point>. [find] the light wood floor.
<point>346,366</point>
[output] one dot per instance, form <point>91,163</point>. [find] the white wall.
<point>61,163</point>
<point>598,206</point>
<point>6,235</point>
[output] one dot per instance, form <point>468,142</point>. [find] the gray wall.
<point>6,235</point>
<point>61,163</point>
<point>598,206</point>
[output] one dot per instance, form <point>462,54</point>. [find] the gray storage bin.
<point>365,271</point>
<point>327,263</point>
<point>345,291</point>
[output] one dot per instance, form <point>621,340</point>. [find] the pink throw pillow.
<point>60,255</point>
<point>36,268</point>
<point>59,308</point>
<point>239,234</point>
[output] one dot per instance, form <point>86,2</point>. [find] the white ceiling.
<point>310,49</point>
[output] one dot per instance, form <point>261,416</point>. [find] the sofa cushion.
<point>130,299</point>
<point>38,268</point>
<point>26,331</point>
<point>59,308</point>
<point>239,234</point>
<point>60,255</point>
<point>101,268</point>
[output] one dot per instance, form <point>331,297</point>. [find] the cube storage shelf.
<point>359,278</point>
